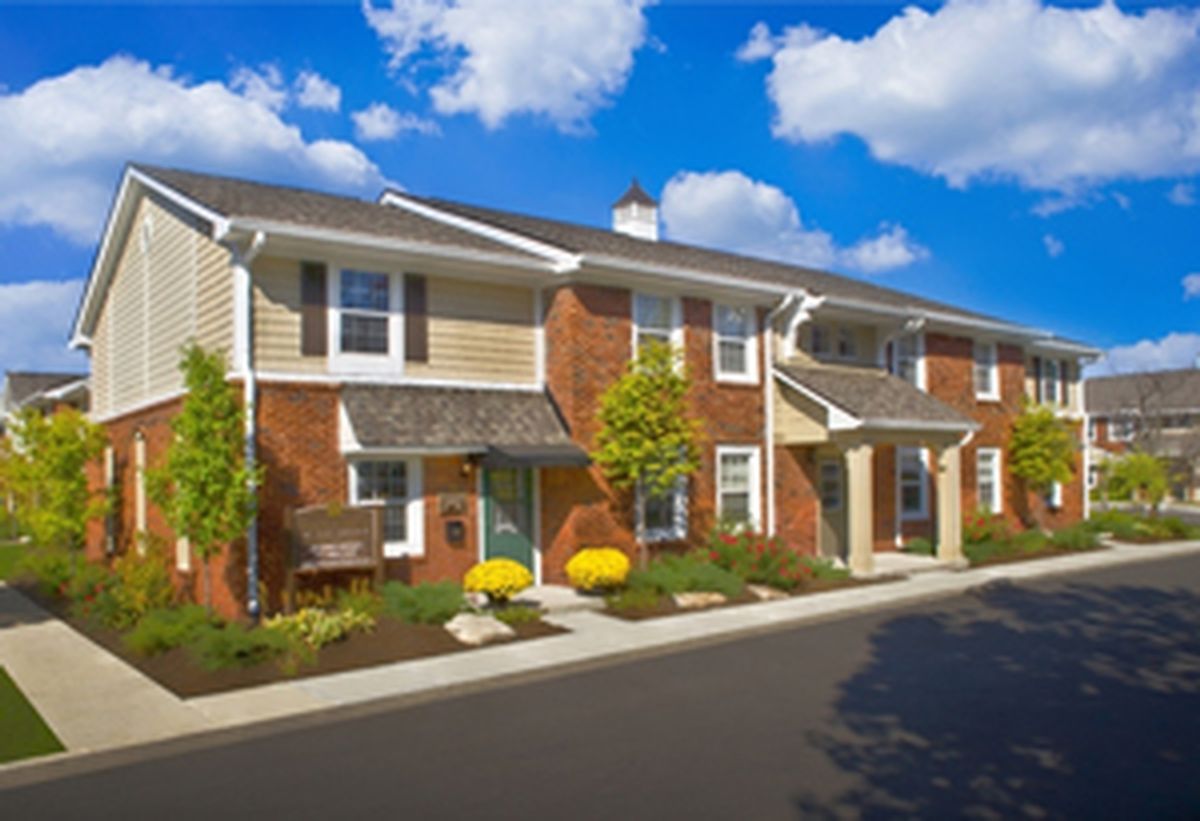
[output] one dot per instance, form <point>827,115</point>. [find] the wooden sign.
<point>325,539</point>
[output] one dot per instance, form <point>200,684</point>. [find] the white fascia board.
<point>387,381</point>
<point>419,450</point>
<point>561,260</point>
<point>748,286</point>
<point>839,419</point>
<point>920,425</point>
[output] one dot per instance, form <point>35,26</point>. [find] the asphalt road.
<point>1071,699</point>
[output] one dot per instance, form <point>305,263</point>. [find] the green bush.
<point>756,559</point>
<point>426,603</point>
<point>216,647</point>
<point>983,526</point>
<point>919,546</point>
<point>515,614</point>
<point>1076,537</point>
<point>51,569</point>
<point>141,583</point>
<point>359,598</point>
<point>822,569</point>
<point>632,600</point>
<point>684,574</point>
<point>163,629</point>
<point>978,552</point>
<point>316,628</point>
<point>1029,541</point>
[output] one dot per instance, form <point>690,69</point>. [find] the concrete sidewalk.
<point>94,701</point>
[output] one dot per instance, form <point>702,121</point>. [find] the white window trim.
<point>997,478</point>
<point>750,377</point>
<point>920,356</point>
<point>414,506</point>
<point>1047,381</point>
<point>993,393</point>
<point>1122,419</point>
<point>679,529</point>
<point>1092,428</point>
<point>923,513</point>
<point>361,363</point>
<point>676,335</point>
<point>1054,499</point>
<point>755,468</point>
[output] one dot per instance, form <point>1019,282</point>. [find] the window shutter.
<point>314,337</point>
<point>1064,382</point>
<point>416,322</point>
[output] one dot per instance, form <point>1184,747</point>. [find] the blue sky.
<point>1035,162</point>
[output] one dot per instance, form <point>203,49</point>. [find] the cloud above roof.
<point>559,60</point>
<point>67,137</point>
<point>1054,98</point>
<point>731,211</point>
<point>36,318</point>
<point>1175,350</point>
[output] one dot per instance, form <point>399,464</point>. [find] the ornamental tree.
<point>1041,451</point>
<point>204,488</point>
<point>1142,476</point>
<point>43,469</point>
<point>648,440</point>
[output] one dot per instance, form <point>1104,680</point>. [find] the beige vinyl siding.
<point>100,378</point>
<point>126,310</point>
<point>277,318</point>
<point>214,295</point>
<point>798,419</point>
<point>171,299</point>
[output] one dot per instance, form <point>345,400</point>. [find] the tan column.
<point>860,519</point>
<point>949,503</point>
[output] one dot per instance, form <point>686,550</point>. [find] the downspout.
<point>244,349</point>
<point>769,402</point>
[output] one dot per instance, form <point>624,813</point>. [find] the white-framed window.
<point>908,359</point>
<point>1122,428</point>
<point>829,485</point>
<point>1050,382</point>
<point>819,340</point>
<point>395,485</point>
<point>847,342</point>
<point>987,371</point>
<point>988,483</point>
<point>656,318</point>
<point>366,328</point>
<point>738,485</point>
<point>139,488</point>
<point>1093,477</point>
<point>912,485</point>
<point>735,344</point>
<point>1054,498</point>
<point>664,515</point>
<point>1092,428</point>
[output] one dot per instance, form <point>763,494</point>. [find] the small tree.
<point>43,467</point>
<point>648,441</point>
<point>1041,451</point>
<point>204,488</point>
<point>1141,475</point>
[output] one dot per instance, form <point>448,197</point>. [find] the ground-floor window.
<point>830,485</point>
<point>1054,497</point>
<point>394,484</point>
<point>987,479</point>
<point>738,486</point>
<point>913,483</point>
<point>664,515</point>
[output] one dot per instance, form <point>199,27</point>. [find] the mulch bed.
<point>666,605</point>
<point>390,641</point>
<point>1044,553</point>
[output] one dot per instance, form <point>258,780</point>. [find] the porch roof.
<point>866,397</point>
<point>396,417</point>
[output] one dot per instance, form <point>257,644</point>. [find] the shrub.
<point>985,527</point>
<point>141,583</point>
<point>500,579</point>
<point>513,615</point>
<point>426,603</point>
<point>758,559</point>
<point>231,645</point>
<point>51,569</point>
<point>683,574</point>
<point>1076,537</point>
<point>316,628</point>
<point>167,628</point>
<point>978,552</point>
<point>1029,541</point>
<point>633,599</point>
<point>598,568</point>
<point>359,598</point>
<point>824,570</point>
<point>919,546</point>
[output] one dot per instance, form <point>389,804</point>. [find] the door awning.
<point>539,456</point>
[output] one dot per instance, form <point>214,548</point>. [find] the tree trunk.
<point>206,583</point>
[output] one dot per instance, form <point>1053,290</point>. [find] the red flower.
<point>713,555</point>
<point>729,538</point>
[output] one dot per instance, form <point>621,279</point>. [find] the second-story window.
<point>987,382</point>
<point>1050,380</point>
<point>906,359</point>
<point>364,301</point>
<point>818,340</point>
<point>847,343</point>
<point>736,356</point>
<point>1092,429</point>
<point>1122,428</point>
<point>654,319</point>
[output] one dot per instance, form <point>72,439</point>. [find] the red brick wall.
<point>797,499</point>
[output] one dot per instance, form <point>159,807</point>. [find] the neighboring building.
<point>446,361</point>
<point>46,391</point>
<point>1157,412</point>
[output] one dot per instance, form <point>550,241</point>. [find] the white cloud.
<point>379,121</point>
<point>1182,194</point>
<point>1191,286</point>
<point>36,318</point>
<point>263,86</point>
<point>1122,200</point>
<point>760,44</point>
<point>314,91</point>
<point>541,57</point>
<point>1054,245</point>
<point>729,210</point>
<point>67,137</point>
<point>1058,99</point>
<point>1175,350</point>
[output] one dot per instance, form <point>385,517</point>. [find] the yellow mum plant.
<point>598,568</point>
<point>500,579</point>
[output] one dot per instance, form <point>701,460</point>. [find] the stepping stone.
<point>763,592</point>
<point>475,630</point>
<point>695,601</point>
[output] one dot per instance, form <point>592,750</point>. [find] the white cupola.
<point>636,213</point>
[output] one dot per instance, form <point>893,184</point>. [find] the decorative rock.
<point>695,601</point>
<point>476,630</point>
<point>476,599</point>
<point>764,593</point>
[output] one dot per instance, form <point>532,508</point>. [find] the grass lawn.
<point>10,552</point>
<point>23,734</point>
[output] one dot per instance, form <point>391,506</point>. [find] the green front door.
<point>508,514</point>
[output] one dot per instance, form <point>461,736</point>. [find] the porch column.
<point>860,519</point>
<point>949,504</point>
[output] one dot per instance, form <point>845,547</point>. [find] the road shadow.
<point>1073,703</point>
<point>17,610</point>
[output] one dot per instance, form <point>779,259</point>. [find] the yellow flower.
<point>500,579</point>
<point>598,568</point>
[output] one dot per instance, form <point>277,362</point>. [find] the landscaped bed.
<point>988,540</point>
<point>1124,526</point>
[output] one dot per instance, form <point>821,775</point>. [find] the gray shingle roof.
<point>234,198</point>
<point>21,385</point>
<point>391,416</point>
<point>871,394</point>
<point>1157,390</point>
<point>635,193</point>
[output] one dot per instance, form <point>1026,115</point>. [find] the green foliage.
<point>316,628</point>
<point>1131,527</point>
<point>205,489</point>
<point>758,559</point>
<point>216,647</point>
<point>426,603</point>
<point>1076,537</point>
<point>141,583</point>
<point>1041,450</point>
<point>824,570</point>
<point>648,439</point>
<point>10,559</point>
<point>359,598</point>
<point>985,527</point>
<point>166,628</point>
<point>1138,476</point>
<point>919,546</point>
<point>633,600</point>
<point>51,569</point>
<point>515,614</point>
<point>1030,541</point>
<point>684,574</point>
<point>43,466</point>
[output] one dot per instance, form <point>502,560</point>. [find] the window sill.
<point>734,379</point>
<point>654,536</point>
<point>402,550</point>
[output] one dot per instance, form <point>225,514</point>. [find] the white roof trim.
<point>920,424</point>
<point>839,419</point>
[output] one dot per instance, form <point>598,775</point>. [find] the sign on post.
<point>326,539</point>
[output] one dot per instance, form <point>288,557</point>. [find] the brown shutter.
<point>313,314</point>
<point>416,321</point>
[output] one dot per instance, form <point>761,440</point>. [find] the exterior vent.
<point>636,213</point>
